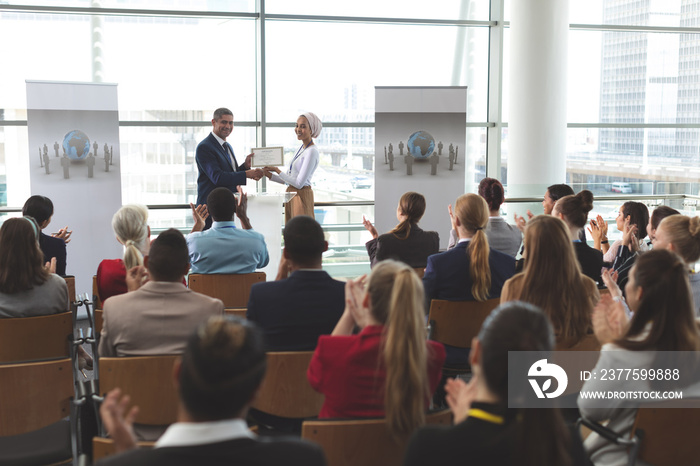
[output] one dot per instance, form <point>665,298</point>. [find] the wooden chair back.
<point>99,318</point>
<point>285,391</point>
<point>668,437</point>
<point>70,283</point>
<point>420,271</point>
<point>238,312</point>
<point>35,338</point>
<point>96,301</point>
<point>104,447</point>
<point>587,343</point>
<point>362,441</point>
<point>148,380</point>
<point>455,323</point>
<point>232,289</point>
<point>34,395</point>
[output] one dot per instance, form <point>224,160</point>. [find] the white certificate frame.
<point>268,157</point>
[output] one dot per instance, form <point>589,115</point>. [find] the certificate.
<point>268,157</point>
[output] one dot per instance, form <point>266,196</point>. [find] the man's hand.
<point>254,174</point>
<point>248,160</point>
<point>136,277</point>
<point>242,210</point>
<point>199,215</point>
<point>120,427</point>
<point>63,234</point>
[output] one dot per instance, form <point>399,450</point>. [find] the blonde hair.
<point>684,234</point>
<point>473,212</point>
<point>552,278</point>
<point>130,224</point>
<point>396,295</point>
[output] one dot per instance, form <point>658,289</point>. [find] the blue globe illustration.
<point>421,144</point>
<point>76,144</point>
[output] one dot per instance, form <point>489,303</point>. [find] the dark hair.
<point>492,190</point>
<point>221,204</point>
<point>38,207</point>
<point>412,205</point>
<point>667,305</point>
<point>222,366</point>
<point>168,258</point>
<point>516,326</point>
<point>219,112</point>
<point>21,260</point>
<point>661,213</point>
<point>575,207</point>
<point>304,241</point>
<point>557,191</point>
<point>639,215</point>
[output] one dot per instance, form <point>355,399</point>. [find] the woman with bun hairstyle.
<point>485,430</point>
<point>552,280</point>
<point>130,225</point>
<point>304,164</point>
<point>28,287</point>
<point>407,242</point>
<point>388,369</point>
<point>632,215</point>
<point>663,322</point>
<point>573,209</point>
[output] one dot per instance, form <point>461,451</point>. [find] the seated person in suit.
<point>407,242</point>
<point>573,210</point>
<point>293,312</point>
<point>158,316</point>
<point>27,286</point>
<point>502,236</point>
<point>552,280</point>
<point>41,209</point>
<point>220,371</point>
<point>485,431</point>
<point>388,369</point>
<point>130,225</point>
<point>225,248</point>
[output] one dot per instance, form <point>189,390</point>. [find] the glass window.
<point>244,6</point>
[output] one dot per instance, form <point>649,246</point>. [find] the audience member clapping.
<point>388,368</point>
<point>40,208</point>
<point>631,219</point>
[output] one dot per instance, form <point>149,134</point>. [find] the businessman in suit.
<point>217,163</point>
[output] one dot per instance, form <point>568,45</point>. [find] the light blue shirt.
<point>226,249</point>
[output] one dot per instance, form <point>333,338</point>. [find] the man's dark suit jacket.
<point>295,311</point>
<point>54,247</point>
<point>239,452</point>
<point>590,259</point>
<point>215,169</point>
<point>447,275</point>
<point>413,250</point>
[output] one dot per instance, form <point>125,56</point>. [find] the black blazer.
<point>591,261</point>
<point>413,250</point>
<point>54,247</point>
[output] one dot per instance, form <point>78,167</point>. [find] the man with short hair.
<point>224,248</point>
<point>40,208</point>
<point>293,312</point>
<point>217,163</point>
<point>157,317</point>
<point>217,377</point>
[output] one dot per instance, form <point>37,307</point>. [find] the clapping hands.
<point>63,234</point>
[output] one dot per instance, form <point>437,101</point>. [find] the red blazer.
<point>350,372</point>
<point>111,278</point>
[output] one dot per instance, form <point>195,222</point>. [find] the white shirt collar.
<point>221,141</point>
<point>464,240</point>
<point>185,434</point>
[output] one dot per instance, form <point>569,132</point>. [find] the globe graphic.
<point>76,144</point>
<point>421,144</point>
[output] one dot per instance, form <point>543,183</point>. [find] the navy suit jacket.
<point>295,311</point>
<point>447,274</point>
<point>215,169</point>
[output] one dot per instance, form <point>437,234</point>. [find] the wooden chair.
<point>35,398</point>
<point>587,343</point>
<point>365,442</point>
<point>99,318</point>
<point>285,391</point>
<point>70,282</point>
<point>96,301</point>
<point>238,312</point>
<point>36,338</point>
<point>455,323</point>
<point>232,289</point>
<point>103,447</point>
<point>420,271</point>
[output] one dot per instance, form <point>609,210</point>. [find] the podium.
<point>266,211</point>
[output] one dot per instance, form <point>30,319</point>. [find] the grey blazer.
<point>502,236</point>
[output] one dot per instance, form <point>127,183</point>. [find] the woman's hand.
<point>268,171</point>
<point>199,215</point>
<point>453,219</point>
<point>460,397</point>
<point>609,319</point>
<point>599,231</point>
<point>136,277</point>
<point>609,277</point>
<point>629,236</point>
<point>63,234</point>
<point>369,227</point>
<point>354,314</point>
<point>51,265</point>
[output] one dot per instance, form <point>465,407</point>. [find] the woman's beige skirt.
<point>301,204</point>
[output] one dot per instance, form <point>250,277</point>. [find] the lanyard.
<point>485,416</point>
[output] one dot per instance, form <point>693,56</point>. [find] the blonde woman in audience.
<point>130,225</point>
<point>388,369</point>
<point>552,280</point>
<point>659,296</point>
<point>28,287</point>
<point>407,242</point>
<point>485,430</point>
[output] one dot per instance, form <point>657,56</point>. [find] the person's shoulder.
<point>111,265</point>
<point>502,258</point>
<point>52,241</point>
<point>295,450</point>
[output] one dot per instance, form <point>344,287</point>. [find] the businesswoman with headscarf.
<point>298,176</point>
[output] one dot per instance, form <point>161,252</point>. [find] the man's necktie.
<point>229,151</point>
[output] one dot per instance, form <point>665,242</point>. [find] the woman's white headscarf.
<point>315,124</point>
